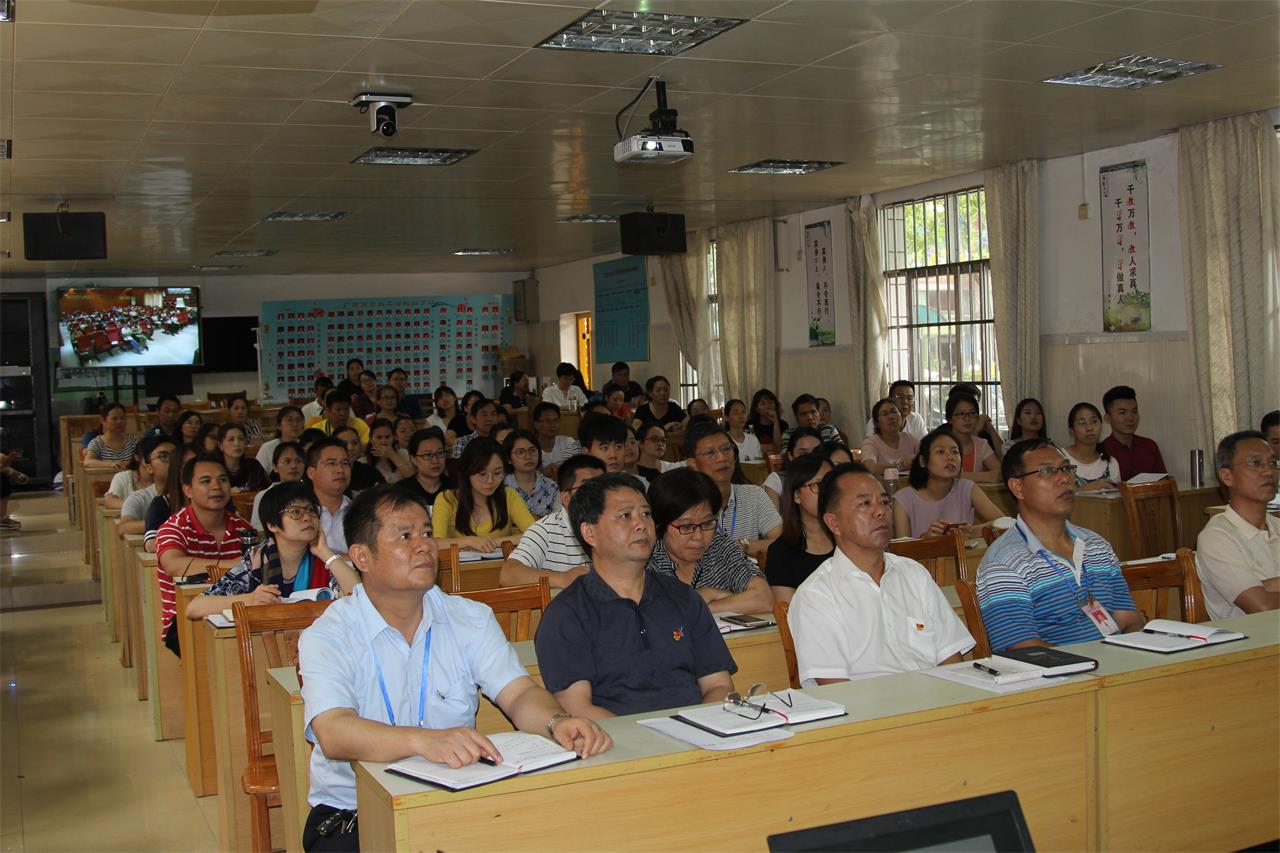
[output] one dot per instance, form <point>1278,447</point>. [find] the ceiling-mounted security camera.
<point>381,110</point>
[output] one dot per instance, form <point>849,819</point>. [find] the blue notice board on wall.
<point>621,330</point>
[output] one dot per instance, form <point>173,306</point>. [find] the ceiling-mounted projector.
<point>663,142</point>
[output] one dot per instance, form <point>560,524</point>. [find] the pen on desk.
<point>988,670</point>
<point>1171,634</point>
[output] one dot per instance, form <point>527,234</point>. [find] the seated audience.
<point>337,414</point>
<point>169,498</point>
<point>834,453</point>
<point>865,611</point>
<point>480,512</point>
<point>804,544</point>
<point>1094,468</point>
<point>289,425</point>
<point>1134,454</point>
<point>938,499</point>
<point>563,392</point>
<point>387,403</point>
<point>1238,552</point>
<point>1271,429</point>
<point>1028,420</point>
<point>407,404</point>
<point>168,410</point>
<point>652,447</point>
<point>125,482</point>
<point>765,424</point>
<point>620,374</point>
<point>463,423</point>
<point>350,385</point>
<point>363,475</point>
<point>549,548</point>
<point>735,423</point>
<point>605,438</point>
<point>157,450</point>
<point>362,689</point>
<point>329,472</point>
<point>113,447</point>
<point>746,513</point>
<point>238,413</point>
<point>445,408</point>
<point>661,407</point>
<point>540,495</point>
<point>805,410</point>
<point>513,394</point>
<point>484,417</point>
<point>308,438</point>
<point>615,401</point>
<point>293,558</point>
<point>189,424</point>
<point>631,456</point>
<point>391,464</point>
<point>555,447</point>
<point>1047,582</point>
<point>692,548</point>
<point>824,417</point>
<point>245,475</point>
<point>205,531</point>
<point>404,428</point>
<point>888,446</point>
<point>622,639</point>
<point>903,394</point>
<point>984,429</point>
<point>800,442</point>
<point>978,462</point>
<point>426,449</point>
<point>698,409</point>
<point>207,439</point>
<point>288,465</point>
<point>315,409</point>
<point>365,401</point>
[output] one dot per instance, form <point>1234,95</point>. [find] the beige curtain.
<point>868,314</point>
<point>748,311</point>
<point>1229,203</point>
<point>684,281</point>
<point>1013,228</point>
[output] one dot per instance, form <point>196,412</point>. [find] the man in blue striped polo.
<point>1046,582</point>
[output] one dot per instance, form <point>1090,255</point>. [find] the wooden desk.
<point>132,597</point>
<point>482,574</point>
<point>756,472</point>
<point>293,752</point>
<point>1211,511</point>
<point>88,508</point>
<point>110,587</point>
<point>197,703</point>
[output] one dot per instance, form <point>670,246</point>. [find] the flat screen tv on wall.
<point>129,327</point>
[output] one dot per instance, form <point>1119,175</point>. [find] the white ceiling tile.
<point>78,43</point>
<point>317,17</point>
<point>430,59</point>
<point>273,50</point>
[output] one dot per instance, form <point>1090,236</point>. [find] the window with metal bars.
<point>938,295</point>
<point>691,385</point>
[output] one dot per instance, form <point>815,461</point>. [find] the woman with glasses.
<point>888,446</point>
<point>939,499</point>
<point>426,449</point>
<point>392,464</point>
<point>692,547</point>
<point>540,494</point>
<point>288,465</point>
<point>387,401</point>
<point>245,475</point>
<point>188,428</point>
<point>735,423</point>
<point>653,446</point>
<point>294,558</point>
<point>1095,469</point>
<point>481,512</point>
<point>801,442</point>
<point>978,462</point>
<point>804,544</point>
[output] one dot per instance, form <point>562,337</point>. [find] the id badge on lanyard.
<point>1097,614</point>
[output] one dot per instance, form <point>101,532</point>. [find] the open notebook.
<point>521,753</point>
<point>783,708</point>
<point>1166,636</point>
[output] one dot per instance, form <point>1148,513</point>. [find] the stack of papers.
<point>521,753</point>
<point>477,556</point>
<point>706,740</point>
<point>1167,635</point>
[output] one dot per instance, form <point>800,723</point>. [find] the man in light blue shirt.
<point>392,670</point>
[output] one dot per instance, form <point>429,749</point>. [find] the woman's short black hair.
<point>415,441</point>
<point>274,500</point>
<point>875,413</point>
<point>281,448</point>
<point>799,433</point>
<point>960,397</point>
<point>654,380</point>
<point>679,490</point>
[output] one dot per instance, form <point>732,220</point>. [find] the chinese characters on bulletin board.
<point>621,329</point>
<point>440,340</point>
<point>1126,260</point>
<point>817,250</point>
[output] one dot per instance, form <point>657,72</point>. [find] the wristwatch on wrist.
<point>555,718</point>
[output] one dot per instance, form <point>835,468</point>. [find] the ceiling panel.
<point>189,121</point>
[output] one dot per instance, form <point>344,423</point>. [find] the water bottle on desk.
<point>890,481</point>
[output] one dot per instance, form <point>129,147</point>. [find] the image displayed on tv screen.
<point>128,327</point>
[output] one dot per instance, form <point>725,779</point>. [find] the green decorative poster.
<point>621,323</point>
<point>1126,256</point>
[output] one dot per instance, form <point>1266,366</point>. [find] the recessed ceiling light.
<point>6,10</point>
<point>6,149</point>
<point>611,31</point>
<point>214,268</point>
<point>785,167</point>
<point>589,218</point>
<point>305,216</point>
<point>414,156</point>
<point>245,253</point>
<point>1132,72</point>
<point>484,252</point>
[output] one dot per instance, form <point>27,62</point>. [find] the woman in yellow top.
<point>481,512</point>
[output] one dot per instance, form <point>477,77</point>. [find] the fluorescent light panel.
<point>215,268</point>
<point>609,31</point>
<point>6,10</point>
<point>495,251</point>
<point>305,216</point>
<point>588,218</point>
<point>1132,72</point>
<point>785,167</point>
<point>414,156</point>
<point>245,253</point>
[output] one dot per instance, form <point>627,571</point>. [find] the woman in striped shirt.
<point>113,447</point>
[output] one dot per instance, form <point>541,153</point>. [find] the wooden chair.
<point>448,570</point>
<point>775,462</point>
<point>780,609</point>
<point>1150,532</point>
<point>507,547</point>
<point>243,503</point>
<point>100,488</point>
<point>1157,578</point>
<point>514,605</point>
<point>973,617</point>
<point>990,534</point>
<point>220,400</point>
<point>278,627</point>
<point>216,572</point>
<point>935,548</point>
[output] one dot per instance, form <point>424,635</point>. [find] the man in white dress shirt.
<point>866,612</point>
<point>563,391</point>
<point>903,392</point>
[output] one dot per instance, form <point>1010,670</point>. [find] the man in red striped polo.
<point>205,531</point>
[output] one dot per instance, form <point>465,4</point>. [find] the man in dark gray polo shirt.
<point>620,640</point>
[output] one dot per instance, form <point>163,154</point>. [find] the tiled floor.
<point>42,564</point>
<point>79,769</point>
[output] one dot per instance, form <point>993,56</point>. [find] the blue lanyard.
<point>1083,591</point>
<point>422,694</point>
